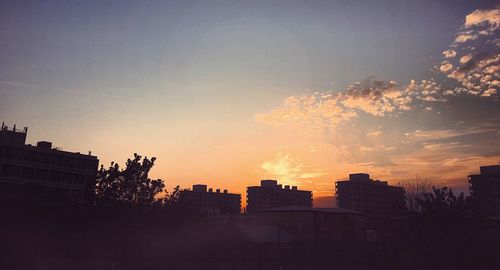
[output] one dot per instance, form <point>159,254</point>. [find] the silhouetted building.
<point>375,198</point>
<point>269,195</point>
<point>208,201</point>
<point>485,190</point>
<point>42,171</point>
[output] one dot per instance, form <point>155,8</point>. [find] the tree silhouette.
<point>441,202</point>
<point>129,185</point>
<point>414,194</point>
<point>173,198</point>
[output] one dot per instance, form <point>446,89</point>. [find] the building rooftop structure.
<point>270,194</point>
<point>209,201</point>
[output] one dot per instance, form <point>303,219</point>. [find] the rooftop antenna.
<point>14,128</point>
<point>25,129</point>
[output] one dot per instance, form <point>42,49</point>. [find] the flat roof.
<point>296,208</point>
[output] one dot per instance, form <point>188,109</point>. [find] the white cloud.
<point>289,170</point>
<point>489,92</point>
<point>464,38</point>
<point>445,67</point>
<point>479,16</point>
<point>449,53</point>
<point>464,59</point>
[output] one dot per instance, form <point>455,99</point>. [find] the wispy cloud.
<point>19,84</point>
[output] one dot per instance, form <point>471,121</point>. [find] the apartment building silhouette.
<point>43,172</point>
<point>485,190</point>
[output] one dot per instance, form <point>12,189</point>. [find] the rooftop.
<point>295,208</point>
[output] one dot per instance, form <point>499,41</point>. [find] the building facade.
<point>485,190</point>
<point>207,201</point>
<point>337,226</point>
<point>43,172</point>
<point>375,198</point>
<point>270,195</point>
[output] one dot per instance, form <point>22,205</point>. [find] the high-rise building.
<point>207,201</point>
<point>375,198</point>
<point>485,190</point>
<point>269,195</point>
<point>43,172</point>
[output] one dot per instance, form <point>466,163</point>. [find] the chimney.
<point>287,187</point>
<point>217,190</point>
<point>42,145</point>
<point>225,191</point>
<point>200,188</point>
<point>294,187</point>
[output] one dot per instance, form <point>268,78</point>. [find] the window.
<point>79,179</point>
<point>30,156</point>
<point>92,164</point>
<point>41,175</point>
<point>67,178</point>
<point>82,164</point>
<point>13,171</point>
<point>57,160</point>
<point>28,173</point>
<point>44,158</point>
<point>54,176</point>
<point>69,162</point>
<point>4,170</point>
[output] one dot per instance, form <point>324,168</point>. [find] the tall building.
<point>375,198</point>
<point>43,172</point>
<point>270,195</point>
<point>485,190</point>
<point>207,201</point>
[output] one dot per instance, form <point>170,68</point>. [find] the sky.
<point>231,92</point>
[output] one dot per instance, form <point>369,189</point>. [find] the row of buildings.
<point>44,171</point>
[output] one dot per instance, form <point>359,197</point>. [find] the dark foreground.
<point>51,236</point>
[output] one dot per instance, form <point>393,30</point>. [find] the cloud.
<point>374,133</point>
<point>464,59</point>
<point>478,16</point>
<point>445,66</point>
<point>440,127</point>
<point>449,53</point>
<point>320,110</point>
<point>327,110</point>
<point>374,97</point>
<point>20,84</point>
<point>489,92</point>
<point>477,49</point>
<point>462,38</point>
<point>289,170</point>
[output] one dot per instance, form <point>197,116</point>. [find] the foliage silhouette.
<point>414,194</point>
<point>130,185</point>
<point>173,198</point>
<point>441,202</point>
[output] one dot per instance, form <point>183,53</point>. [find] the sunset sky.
<point>231,92</point>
